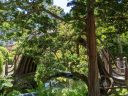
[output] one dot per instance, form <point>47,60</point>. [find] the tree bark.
<point>94,89</point>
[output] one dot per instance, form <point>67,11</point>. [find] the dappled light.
<point>63,48</point>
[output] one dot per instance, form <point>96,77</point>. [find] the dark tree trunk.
<point>92,53</point>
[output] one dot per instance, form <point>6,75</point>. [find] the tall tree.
<point>91,40</point>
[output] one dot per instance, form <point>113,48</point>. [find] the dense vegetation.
<point>59,51</point>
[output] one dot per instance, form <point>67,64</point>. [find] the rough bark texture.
<point>91,41</point>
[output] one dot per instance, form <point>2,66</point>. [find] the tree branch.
<point>69,75</point>
<point>53,15</point>
<point>82,42</point>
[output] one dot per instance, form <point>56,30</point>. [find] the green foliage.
<point>13,93</point>
<point>77,88</point>
<point>5,56</point>
<point>39,74</point>
<point>120,92</point>
<point>4,52</point>
<point>1,63</point>
<point>55,45</point>
<point>5,84</point>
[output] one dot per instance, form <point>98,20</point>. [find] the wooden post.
<point>126,70</point>
<point>92,53</point>
<point>126,76</point>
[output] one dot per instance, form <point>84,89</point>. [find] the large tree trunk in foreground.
<point>91,41</point>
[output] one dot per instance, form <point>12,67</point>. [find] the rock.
<point>29,94</point>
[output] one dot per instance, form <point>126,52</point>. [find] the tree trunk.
<point>92,53</point>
